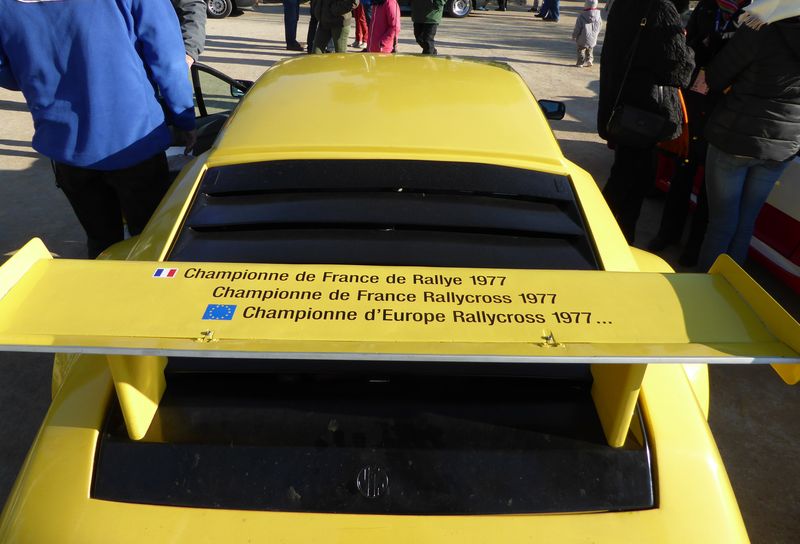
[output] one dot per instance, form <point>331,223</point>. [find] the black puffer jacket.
<point>760,116</point>
<point>662,59</point>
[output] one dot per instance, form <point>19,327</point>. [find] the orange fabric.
<point>679,147</point>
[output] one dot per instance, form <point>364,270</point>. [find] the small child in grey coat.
<point>587,29</point>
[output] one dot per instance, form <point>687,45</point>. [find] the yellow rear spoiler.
<point>139,313</point>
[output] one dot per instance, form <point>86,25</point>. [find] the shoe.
<point>500,9</point>
<point>550,19</point>
<point>356,45</point>
<point>295,47</point>
<point>539,15</point>
<point>365,50</point>
<point>482,8</point>
<point>587,65</point>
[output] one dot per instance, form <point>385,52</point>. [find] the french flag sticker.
<point>165,272</point>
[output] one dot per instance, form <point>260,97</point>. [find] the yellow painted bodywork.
<point>295,112</point>
<point>297,108</point>
<point>139,382</point>
<point>598,317</point>
<point>777,319</point>
<point>697,374</point>
<point>652,316</point>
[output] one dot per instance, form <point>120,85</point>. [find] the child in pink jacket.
<point>385,27</point>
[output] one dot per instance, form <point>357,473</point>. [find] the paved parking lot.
<point>753,414</point>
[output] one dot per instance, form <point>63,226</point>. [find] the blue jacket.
<point>89,71</point>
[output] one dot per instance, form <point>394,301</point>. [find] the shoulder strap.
<point>632,54</point>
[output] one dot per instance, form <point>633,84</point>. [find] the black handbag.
<point>632,126</point>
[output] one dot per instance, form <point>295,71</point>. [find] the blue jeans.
<point>291,14</point>
<point>737,189</point>
<point>550,9</point>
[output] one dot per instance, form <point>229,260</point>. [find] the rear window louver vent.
<point>409,213</point>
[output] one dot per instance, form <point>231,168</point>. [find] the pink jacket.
<point>385,27</point>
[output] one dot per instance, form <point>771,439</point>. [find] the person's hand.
<point>189,61</point>
<point>188,138</point>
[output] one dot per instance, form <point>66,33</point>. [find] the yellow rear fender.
<point>697,375</point>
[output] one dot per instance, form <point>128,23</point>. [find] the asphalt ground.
<point>754,416</point>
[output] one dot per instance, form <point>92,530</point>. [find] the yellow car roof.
<point>389,106</point>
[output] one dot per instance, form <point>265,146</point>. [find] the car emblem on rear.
<point>372,482</point>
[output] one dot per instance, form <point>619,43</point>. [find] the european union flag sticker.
<point>219,312</point>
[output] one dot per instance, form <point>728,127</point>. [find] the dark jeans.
<point>424,34</point>
<point>291,14</point>
<point>550,9</point>
<point>632,177</point>
<point>368,13</point>
<point>101,198</point>
<point>737,188</point>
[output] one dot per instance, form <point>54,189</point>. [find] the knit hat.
<point>764,12</point>
<point>590,4</point>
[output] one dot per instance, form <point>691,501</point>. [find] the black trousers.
<point>676,210</point>
<point>632,177</point>
<point>312,31</point>
<point>424,33</point>
<point>502,5</point>
<point>101,198</point>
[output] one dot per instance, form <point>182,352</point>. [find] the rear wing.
<point>140,313</point>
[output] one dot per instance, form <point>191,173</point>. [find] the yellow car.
<point>377,311</point>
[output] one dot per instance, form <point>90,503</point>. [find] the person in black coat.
<point>710,26</point>
<point>333,23</point>
<point>662,63</point>
<point>753,133</point>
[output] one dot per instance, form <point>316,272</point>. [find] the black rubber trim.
<point>374,175</point>
<point>414,211</point>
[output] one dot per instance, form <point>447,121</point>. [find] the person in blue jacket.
<point>95,75</point>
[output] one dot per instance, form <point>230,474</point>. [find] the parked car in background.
<point>776,241</point>
<point>219,9</point>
